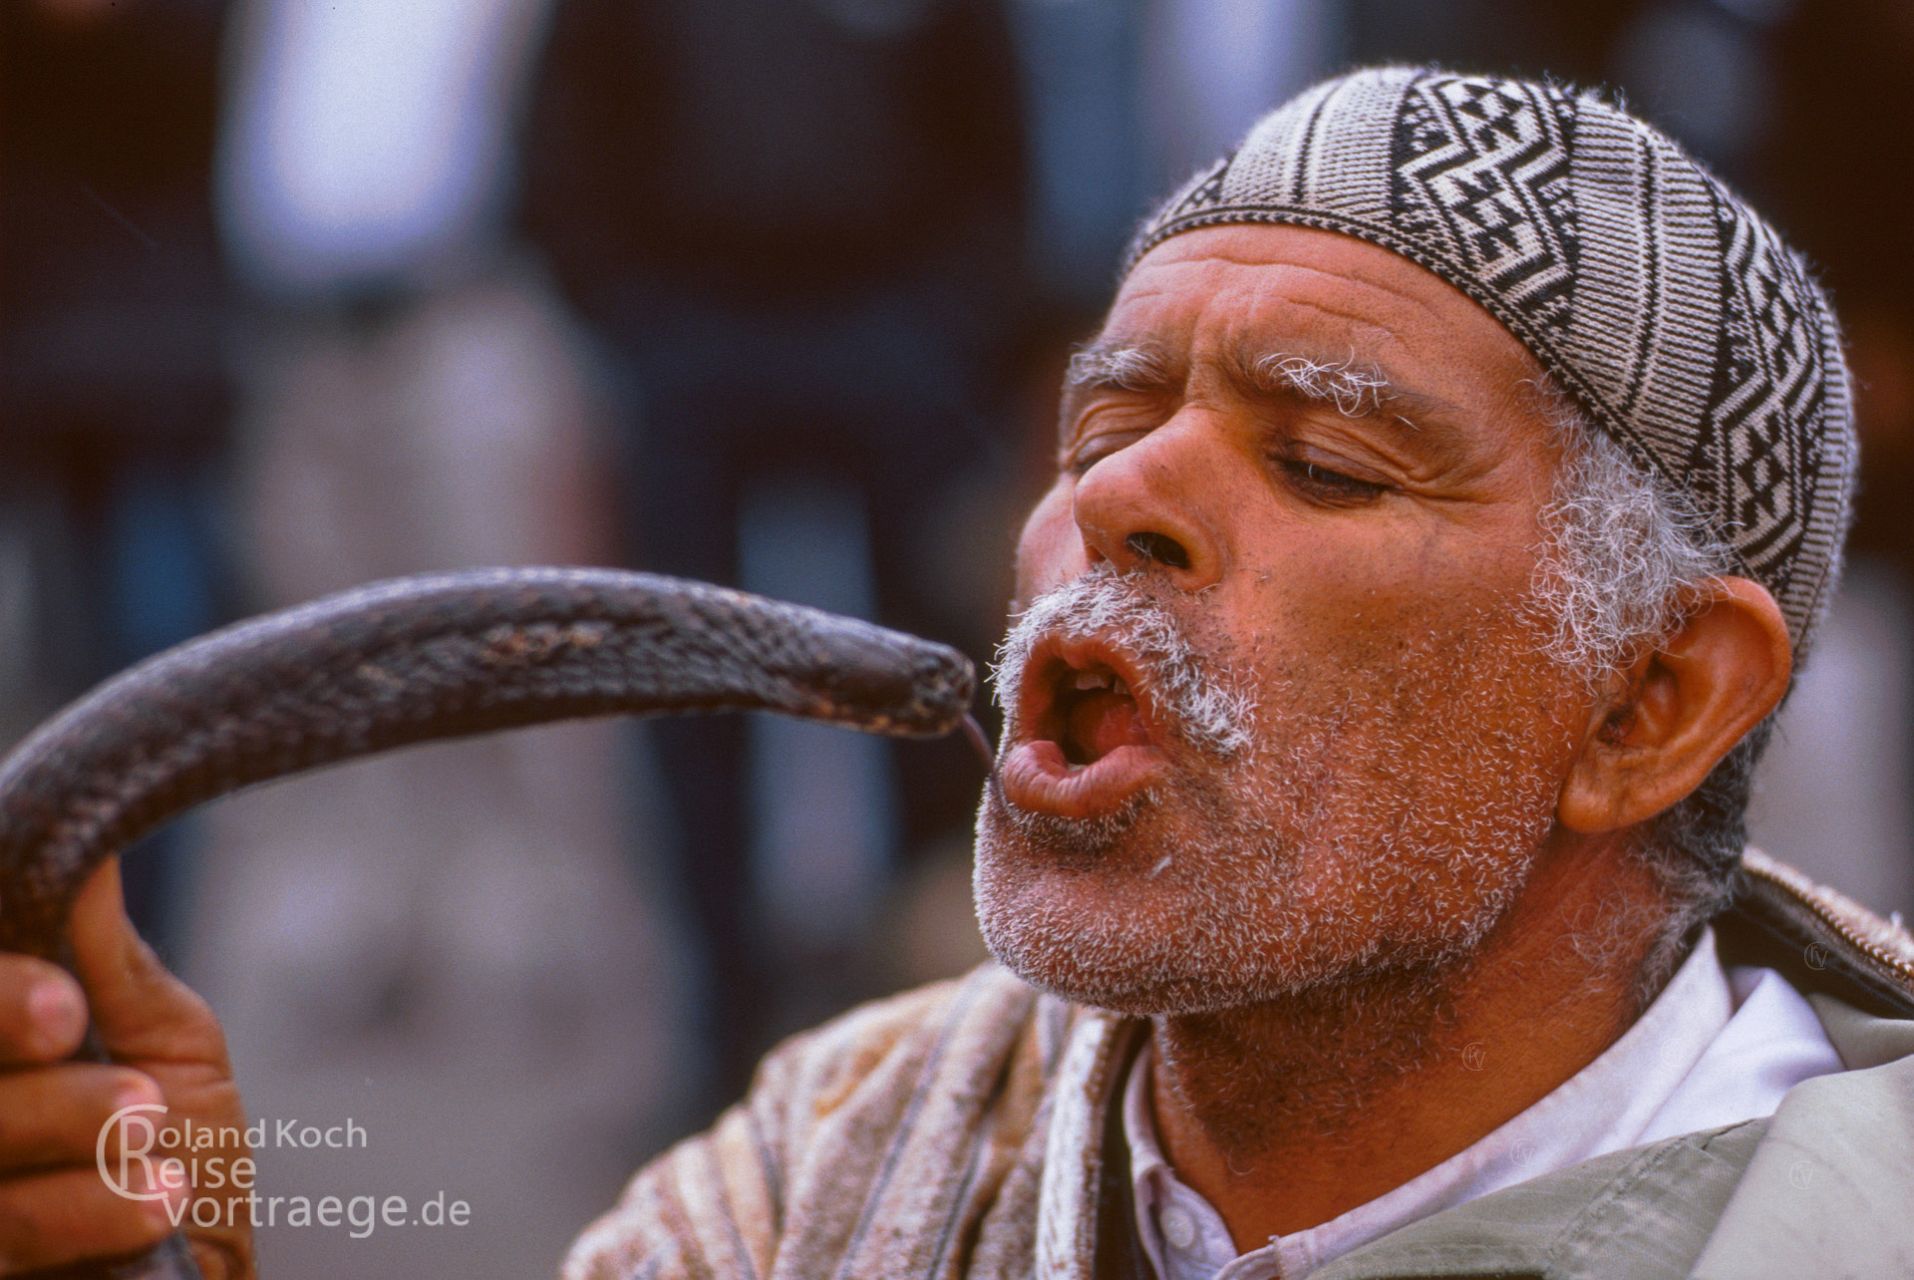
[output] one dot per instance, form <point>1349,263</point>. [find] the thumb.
<point>139,1009</point>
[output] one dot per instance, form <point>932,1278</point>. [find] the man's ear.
<point>1679,709</point>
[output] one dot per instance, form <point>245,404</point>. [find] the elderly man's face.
<point>1278,714</point>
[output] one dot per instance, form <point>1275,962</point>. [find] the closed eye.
<point>1329,486</point>
<point>1086,453</point>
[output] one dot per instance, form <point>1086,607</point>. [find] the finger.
<point>140,1010</point>
<point>56,1115</point>
<point>42,1014</point>
<point>50,1219</point>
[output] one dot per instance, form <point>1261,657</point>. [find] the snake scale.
<point>416,660</point>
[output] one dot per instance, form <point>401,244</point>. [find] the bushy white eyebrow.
<point>1356,390</point>
<point>1129,368</point>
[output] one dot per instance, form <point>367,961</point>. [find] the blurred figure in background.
<point>115,394</point>
<point>415,941</point>
<point>796,229</point>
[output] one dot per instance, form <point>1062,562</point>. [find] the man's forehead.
<point>1283,308</point>
<point>1320,287</point>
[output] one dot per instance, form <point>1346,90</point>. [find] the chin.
<point>1131,914</point>
<point>1142,914</point>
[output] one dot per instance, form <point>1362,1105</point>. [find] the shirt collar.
<point>1604,1107</point>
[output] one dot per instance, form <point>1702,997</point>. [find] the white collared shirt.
<point>1717,1046</point>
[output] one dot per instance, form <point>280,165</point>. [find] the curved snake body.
<point>419,659</point>
<point>411,661</point>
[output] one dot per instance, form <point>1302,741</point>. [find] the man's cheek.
<point>1050,550</point>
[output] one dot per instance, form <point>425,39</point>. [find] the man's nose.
<point>1149,506</point>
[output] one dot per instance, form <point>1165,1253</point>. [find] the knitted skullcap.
<point>1667,308</point>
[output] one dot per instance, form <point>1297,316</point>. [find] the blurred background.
<point>776,293</point>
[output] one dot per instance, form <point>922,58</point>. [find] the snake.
<point>416,660</point>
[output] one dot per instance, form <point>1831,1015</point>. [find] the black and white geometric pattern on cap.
<point>1484,166</point>
<point>1768,375</point>
<point>1679,320</point>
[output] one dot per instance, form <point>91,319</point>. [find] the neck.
<point>1286,1114</point>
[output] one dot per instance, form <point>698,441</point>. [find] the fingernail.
<point>55,1013</point>
<point>135,1095</point>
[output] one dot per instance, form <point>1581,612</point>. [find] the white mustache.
<point>1197,699</point>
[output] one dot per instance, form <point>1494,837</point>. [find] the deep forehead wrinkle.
<point>1336,279</point>
<point>1360,319</point>
<point>1341,280</point>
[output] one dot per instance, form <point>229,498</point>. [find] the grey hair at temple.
<point>1622,562</point>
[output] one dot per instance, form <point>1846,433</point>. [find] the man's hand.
<point>167,1049</point>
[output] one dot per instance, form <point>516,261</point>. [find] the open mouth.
<point>1090,712</point>
<point>1085,736</point>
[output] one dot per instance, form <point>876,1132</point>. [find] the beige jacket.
<point>964,1130</point>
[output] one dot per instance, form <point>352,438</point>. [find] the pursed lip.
<point>1036,776</point>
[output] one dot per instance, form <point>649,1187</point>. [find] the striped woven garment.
<point>914,1137</point>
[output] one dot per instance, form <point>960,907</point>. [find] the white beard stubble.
<point>1316,828</point>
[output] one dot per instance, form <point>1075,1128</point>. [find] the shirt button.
<point>1179,1228</point>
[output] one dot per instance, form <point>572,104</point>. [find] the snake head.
<point>888,682</point>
